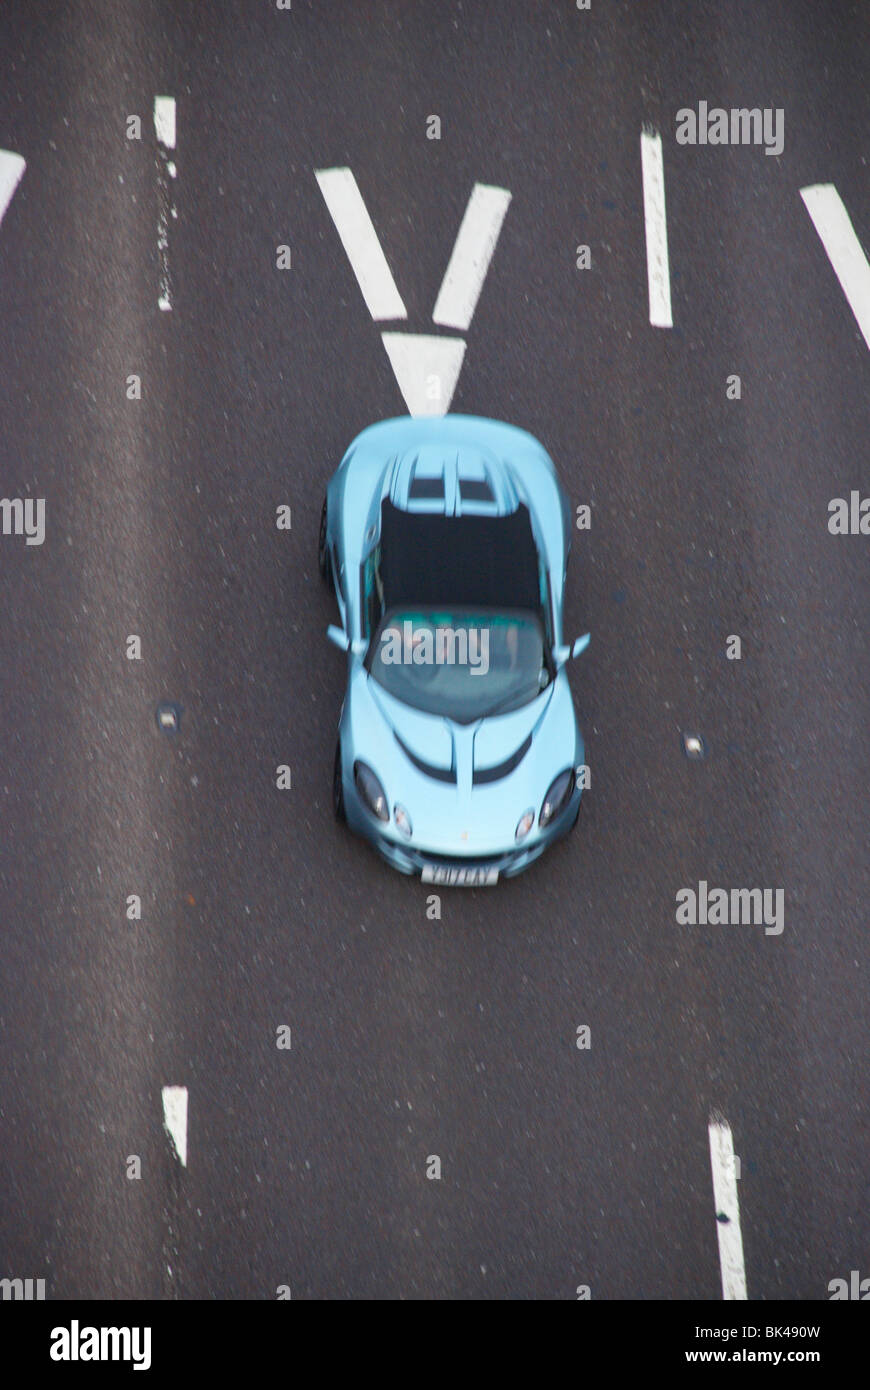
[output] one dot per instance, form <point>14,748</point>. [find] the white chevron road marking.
<point>834,226</point>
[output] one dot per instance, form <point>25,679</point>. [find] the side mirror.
<point>561,655</point>
<point>337,635</point>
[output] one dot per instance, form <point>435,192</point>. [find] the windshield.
<point>464,664</point>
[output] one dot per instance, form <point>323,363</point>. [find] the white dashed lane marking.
<point>834,226</point>
<point>175,1119</point>
<point>164,121</point>
<point>164,128</point>
<point>723,1164</point>
<point>655,221</point>
<point>360,241</point>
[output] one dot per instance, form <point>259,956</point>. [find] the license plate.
<point>459,878</point>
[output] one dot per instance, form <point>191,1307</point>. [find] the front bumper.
<point>409,858</point>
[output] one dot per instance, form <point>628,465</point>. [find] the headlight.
<point>557,797</point>
<point>403,820</point>
<point>371,791</point>
<point>525,824</point>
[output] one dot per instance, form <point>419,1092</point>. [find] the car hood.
<point>442,743</point>
<point>465,786</point>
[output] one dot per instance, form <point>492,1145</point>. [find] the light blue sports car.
<point>445,541</point>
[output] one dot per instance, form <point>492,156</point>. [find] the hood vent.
<point>439,774</point>
<point>495,774</point>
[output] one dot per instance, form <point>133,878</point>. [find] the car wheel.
<point>337,788</point>
<point>322,550</point>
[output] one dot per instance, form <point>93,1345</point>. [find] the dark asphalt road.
<point>413,1037</point>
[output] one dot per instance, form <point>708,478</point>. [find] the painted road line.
<point>360,241</point>
<point>655,220</point>
<point>472,253</point>
<point>164,127</point>
<point>12,166</point>
<point>832,222</point>
<point>164,121</point>
<point>426,368</point>
<point>723,1164</point>
<point>175,1119</point>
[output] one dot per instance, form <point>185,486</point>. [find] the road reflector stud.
<point>168,717</point>
<point>693,746</point>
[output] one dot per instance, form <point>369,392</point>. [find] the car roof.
<point>435,561</point>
